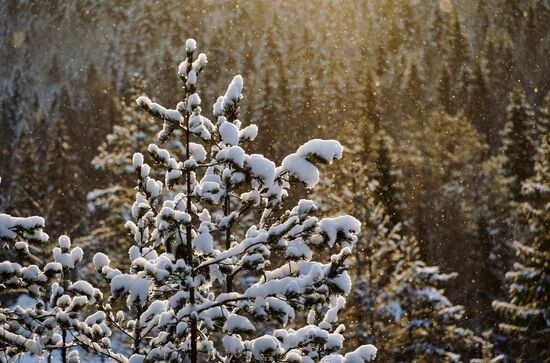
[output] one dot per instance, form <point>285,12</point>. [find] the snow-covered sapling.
<point>181,302</point>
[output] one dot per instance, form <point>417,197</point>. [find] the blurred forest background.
<point>442,107</point>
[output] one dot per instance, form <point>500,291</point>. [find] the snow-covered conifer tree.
<point>400,299</point>
<point>427,324</point>
<point>526,314</point>
<point>180,300</point>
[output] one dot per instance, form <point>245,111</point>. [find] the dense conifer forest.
<point>378,164</point>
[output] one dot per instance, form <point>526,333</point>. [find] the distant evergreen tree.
<point>433,49</point>
<point>445,92</point>
<point>272,91</point>
<point>306,86</point>
<point>441,197</point>
<point>438,28</point>
<point>395,37</point>
<point>483,20</point>
<point>532,40</point>
<point>27,175</point>
<point>15,113</point>
<point>381,61</point>
<point>64,185</point>
<point>7,134</point>
<point>458,52</point>
<point>368,100</point>
<point>519,139</point>
<point>98,103</point>
<point>54,75</point>
<point>478,104</point>
<point>414,91</point>
<point>387,174</point>
<point>464,86</point>
<point>527,314</point>
<point>501,66</point>
<point>439,177</point>
<point>372,156</point>
<point>488,230</point>
<point>18,113</point>
<point>64,107</point>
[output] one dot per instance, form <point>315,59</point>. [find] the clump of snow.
<point>238,324</point>
<point>137,160</point>
<point>193,101</point>
<point>233,154</point>
<point>301,169</point>
<point>200,62</point>
<point>101,260</point>
<point>267,345</point>
<point>136,287</point>
<point>345,227</point>
<point>362,354</point>
<point>300,164</point>
<point>64,242</point>
<point>229,133</point>
<point>137,358</point>
<point>158,111</point>
<point>85,288</point>
<point>233,93</point>
<point>262,169</point>
<point>249,133</point>
<point>30,226</point>
<point>232,344</point>
<point>190,45</point>
<point>204,242</point>
<point>324,150</point>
